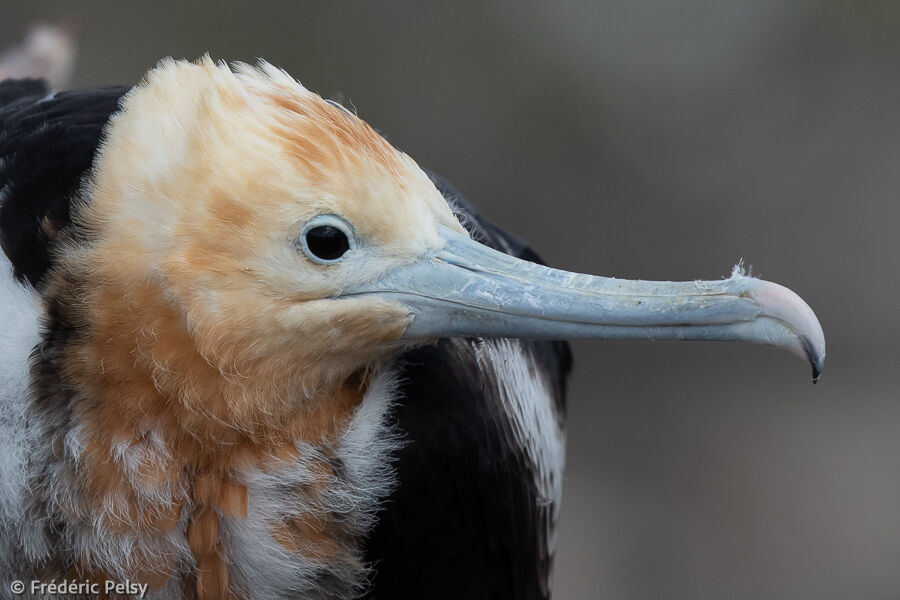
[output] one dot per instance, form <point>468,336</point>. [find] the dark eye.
<point>327,238</point>
<point>326,242</point>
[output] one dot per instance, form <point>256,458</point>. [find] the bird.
<point>252,350</point>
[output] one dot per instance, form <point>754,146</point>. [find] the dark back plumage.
<point>47,143</point>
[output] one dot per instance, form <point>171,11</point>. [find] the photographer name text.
<point>79,588</point>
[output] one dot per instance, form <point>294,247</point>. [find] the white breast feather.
<point>20,314</point>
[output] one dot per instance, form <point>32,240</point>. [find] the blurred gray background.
<point>659,140</point>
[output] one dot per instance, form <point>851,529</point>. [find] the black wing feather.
<point>47,144</point>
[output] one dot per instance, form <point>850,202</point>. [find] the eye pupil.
<point>326,242</point>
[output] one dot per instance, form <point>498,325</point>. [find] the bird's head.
<point>238,216</point>
<point>247,208</point>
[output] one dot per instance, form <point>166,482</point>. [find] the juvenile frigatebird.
<point>251,350</point>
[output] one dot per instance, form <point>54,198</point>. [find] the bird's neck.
<point>207,467</point>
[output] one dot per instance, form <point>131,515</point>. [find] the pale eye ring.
<point>327,238</point>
